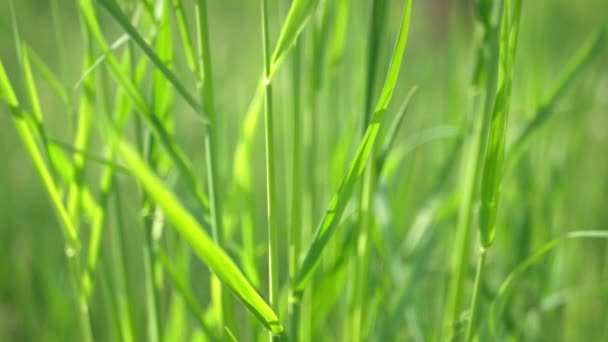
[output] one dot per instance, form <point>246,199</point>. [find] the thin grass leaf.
<point>85,113</point>
<point>184,33</point>
<point>162,135</point>
<point>505,287</point>
<point>495,153</point>
<point>113,47</point>
<point>114,10</point>
<point>48,75</point>
<point>391,135</point>
<point>297,18</point>
<point>69,231</point>
<point>591,48</point>
<point>188,227</point>
<point>493,166</point>
<point>185,292</point>
<point>18,115</point>
<point>338,203</point>
<point>90,156</point>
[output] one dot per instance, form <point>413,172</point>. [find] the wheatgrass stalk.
<point>495,151</point>
<point>221,297</point>
<point>273,243</point>
<point>295,233</point>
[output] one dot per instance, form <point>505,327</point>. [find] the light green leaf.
<point>340,199</point>
<point>188,227</point>
<point>114,10</point>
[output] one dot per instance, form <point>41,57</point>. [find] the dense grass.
<point>306,170</point>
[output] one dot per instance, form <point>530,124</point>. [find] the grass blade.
<point>521,268</point>
<point>188,227</point>
<point>163,136</point>
<point>114,10</point>
<point>581,59</point>
<point>338,203</point>
<point>297,17</point>
<point>69,231</point>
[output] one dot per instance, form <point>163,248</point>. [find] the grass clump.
<point>303,170</point>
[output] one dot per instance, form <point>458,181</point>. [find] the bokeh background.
<point>561,184</point>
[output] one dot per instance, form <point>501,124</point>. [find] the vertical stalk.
<point>485,74</point>
<point>475,300</point>
<point>273,256</point>
<point>220,296</point>
<point>367,189</point>
<point>147,145</point>
<point>296,193</point>
<point>507,32</point>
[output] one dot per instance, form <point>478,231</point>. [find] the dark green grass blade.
<point>183,289</point>
<point>520,269</point>
<point>339,201</point>
<point>189,228</point>
<point>48,75</point>
<point>114,10</point>
<point>164,138</point>
<point>391,135</point>
<point>577,64</point>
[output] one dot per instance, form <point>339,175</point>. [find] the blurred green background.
<point>561,184</point>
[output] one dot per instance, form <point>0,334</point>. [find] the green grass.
<point>303,170</point>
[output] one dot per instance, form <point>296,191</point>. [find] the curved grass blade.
<point>114,10</point>
<point>519,270</point>
<point>582,59</point>
<point>338,203</point>
<point>189,228</point>
<point>48,75</point>
<point>69,231</point>
<point>163,136</point>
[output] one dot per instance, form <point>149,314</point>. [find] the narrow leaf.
<point>338,203</point>
<point>188,227</point>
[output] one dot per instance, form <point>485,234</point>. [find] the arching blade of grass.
<point>342,196</point>
<point>48,75</point>
<point>69,231</point>
<point>163,136</point>
<point>577,64</point>
<point>114,10</point>
<point>519,270</point>
<point>188,227</point>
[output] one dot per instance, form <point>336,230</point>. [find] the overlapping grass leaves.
<point>334,212</point>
